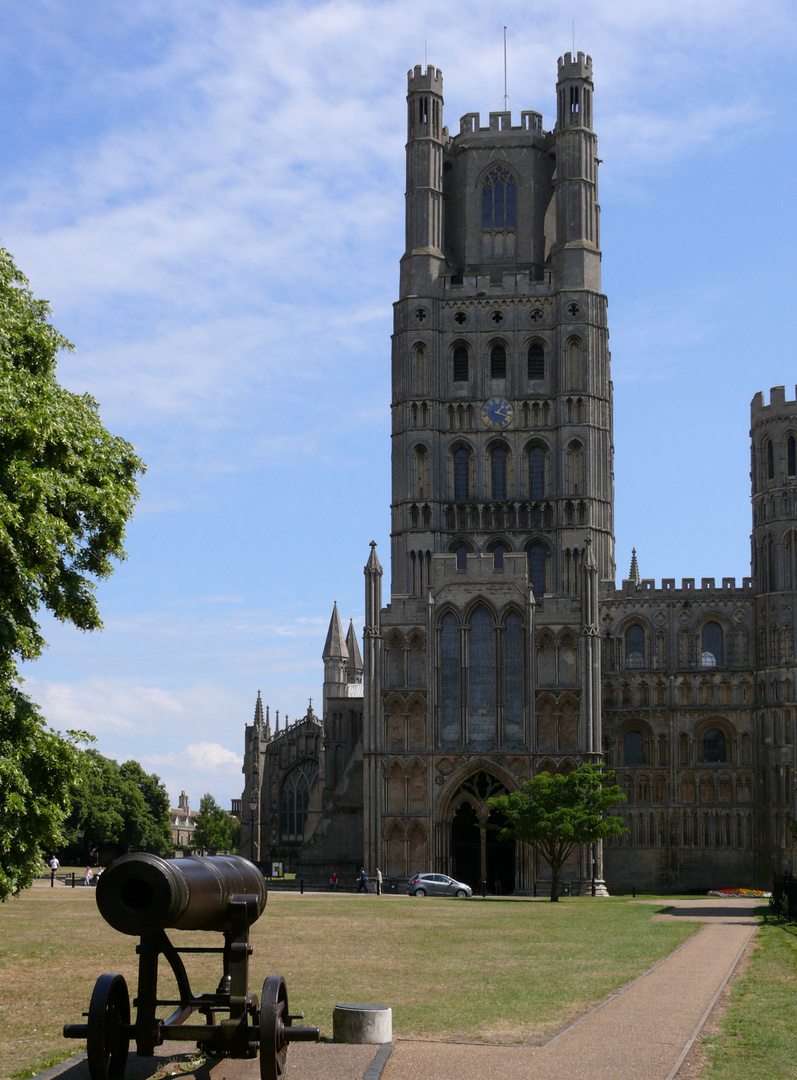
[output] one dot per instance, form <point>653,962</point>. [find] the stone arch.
<point>568,658</point>
<point>416,724</point>
<point>546,724</point>
<point>416,659</point>
<point>394,847</point>
<point>417,848</point>
<point>568,724</point>
<point>476,854</point>
<point>546,658</point>
<point>394,659</point>
<point>395,788</point>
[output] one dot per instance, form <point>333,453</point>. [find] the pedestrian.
<point>362,881</point>
<point>53,864</point>
<point>88,876</point>
<point>333,881</point>
<point>378,882</point>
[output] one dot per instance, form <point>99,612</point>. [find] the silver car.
<point>437,885</point>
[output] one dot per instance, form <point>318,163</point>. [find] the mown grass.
<point>488,970</point>
<point>758,1033</point>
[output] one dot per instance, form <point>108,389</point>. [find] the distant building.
<point>507,648</point>
<point>183,820</point>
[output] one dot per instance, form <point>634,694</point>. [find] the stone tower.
<point>773,472</point>
<point>502,480</point>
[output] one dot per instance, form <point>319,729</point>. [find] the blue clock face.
<point>497,413</point>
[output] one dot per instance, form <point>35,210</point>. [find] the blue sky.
<point>211,197</point>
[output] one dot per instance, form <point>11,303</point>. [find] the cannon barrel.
<point>141,893</point>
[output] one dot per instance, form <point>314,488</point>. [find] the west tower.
<point>488,654</point>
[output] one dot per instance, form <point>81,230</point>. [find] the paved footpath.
<point>642,1032</point>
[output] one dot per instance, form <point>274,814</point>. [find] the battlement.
<point>707,587</point>
<point>580,68</point>
<point>777,400</point>
<point>431,79</point>
<point>470,123</point>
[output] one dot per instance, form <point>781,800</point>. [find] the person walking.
<point>362,881</point>
<point>53,864</point>
<point>378,882</point>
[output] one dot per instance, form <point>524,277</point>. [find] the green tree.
<point>39,771</point>
<point>118,808</point>
<point>213,830</point>
<point>555,813</point>
<point>67,489</point>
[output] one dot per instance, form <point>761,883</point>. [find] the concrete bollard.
<point>362,1024</point>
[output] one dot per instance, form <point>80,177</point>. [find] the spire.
<point>335,645</point>
<point>268,723</point>
<point>354,665</point>
<point>633,573</point>
<point>259,713</point>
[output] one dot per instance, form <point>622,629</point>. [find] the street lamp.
<point>253,804</point>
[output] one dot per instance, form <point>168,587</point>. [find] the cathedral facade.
<point>507,648</point>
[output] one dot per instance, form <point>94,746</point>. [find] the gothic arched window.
<point>461,364</point>
<point>295,800</point>
<point>536,361</point>
<point>449,680</point>
<point>634,748</point>
<point>711,645</point>
<point>791,456</point>
<point>498,362</point>
<point>498,548</point>
<point>499,213</point>
<point>714,745</point>
<point>538,567</point>
<point>461,550</point>
<point>461,474</point>
<point>575,468</point>
<point>498,473</point>
<point>770,452</point>
<point>421,473</point>
<point>537,464</point>
<point>635,646</point>
<point>574,365</point>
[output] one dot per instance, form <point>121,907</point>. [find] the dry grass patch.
<point>504,971</point>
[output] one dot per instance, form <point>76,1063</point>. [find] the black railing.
<point>784,898</point>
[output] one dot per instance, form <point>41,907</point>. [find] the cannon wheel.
<point>274,1018</point>
<point>107,1045</point>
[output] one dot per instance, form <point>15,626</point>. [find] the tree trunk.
<point>554,882</point>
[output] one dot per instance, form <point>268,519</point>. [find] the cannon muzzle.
<point>141,893</point>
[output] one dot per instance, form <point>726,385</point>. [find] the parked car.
<point>437,885</point>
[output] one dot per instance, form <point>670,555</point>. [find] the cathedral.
<point>507,646</point>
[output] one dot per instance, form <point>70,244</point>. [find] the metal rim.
<point>274,1018</point>
<point>420,892</point>
<point>106,1043</point>
<point>461,892</point>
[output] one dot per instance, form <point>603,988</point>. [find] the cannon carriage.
<point>144,895</point>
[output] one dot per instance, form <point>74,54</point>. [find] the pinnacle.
<point>335,645</point>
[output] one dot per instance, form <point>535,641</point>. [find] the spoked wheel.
<point>107,1038</point>
<point>274,1018</point>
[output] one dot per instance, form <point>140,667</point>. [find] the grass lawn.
<point>759,1034</point>
<point>489,970</point>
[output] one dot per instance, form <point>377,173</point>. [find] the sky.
<point>211,195</point>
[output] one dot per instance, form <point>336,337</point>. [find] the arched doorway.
<point>477,854</point>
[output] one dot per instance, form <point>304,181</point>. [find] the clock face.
<point>497,413</point>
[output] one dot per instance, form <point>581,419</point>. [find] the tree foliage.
<point>67,489</point>
<point>117,809</point>
<point>555,813</point>
<point>39,771</point>
<point>67,486</point>
<point>215,830</point>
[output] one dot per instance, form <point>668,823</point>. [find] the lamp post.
<point>253,804</point>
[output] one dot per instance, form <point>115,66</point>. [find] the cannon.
<point>144,895</point>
